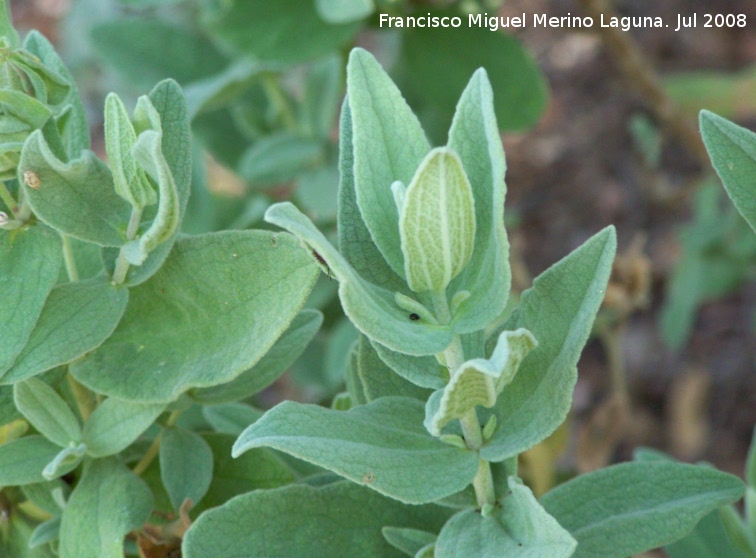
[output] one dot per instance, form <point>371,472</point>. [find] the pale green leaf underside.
<point>30,260</point>
<point>115,424</point>
<point>47,411</point>
<point>389,145</point>
<point>76,198</point>
<point>559,311</point>
<point>733,153</point>
<point>319,523</point>
<point>521,528</point>
<point>480,381</point>
<point>215,307</point>
<point>633,507</point>
<point>437,222</point>
<point>372,309</point>
<point>382,445</point>
<point>108,502</point>
<point>77,318</point>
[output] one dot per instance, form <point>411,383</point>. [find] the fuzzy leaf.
<point>733,153</point>
<point>633,507</point>
<point>77,318</point>
<point>372,309</point>
<point>480,381</point>
<point>320,523</point>
<point>186,465</point>
<point>276,361</point>
<point>115,424</point>
<point>108,502</point>
<point>437,222</point>
<point>230,418</point>
<point>47,412</point>
<point>76,198</point>
<point>389,145</point>
<point>22,460</point>
<point>559,311</point>
<point>382,445</point>
<point>474,136</point>
<point>213,310</point>
<point>30,259</point>
<point>521,528</point>
<point>129,178</point>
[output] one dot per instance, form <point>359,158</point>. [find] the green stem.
<point>277,97</point>
<point>85,399</point>
<point>122,264</point>
<point>68,257</point>
<point>154,448</point>
<point>454,356</point>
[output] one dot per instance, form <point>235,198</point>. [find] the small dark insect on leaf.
<point>414,317</point>
<point>322,262</point>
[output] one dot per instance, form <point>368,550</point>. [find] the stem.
<point>122,264</point>
<point>85,400</point>
<point>276,96</point>
<point>454,356</point>
<point>154,448</point>
<point>68,257</point>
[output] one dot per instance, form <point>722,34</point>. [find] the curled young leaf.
<point>437,222</point>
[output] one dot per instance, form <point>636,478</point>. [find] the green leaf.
<point>108,502</point>
<point>47,412</point>
<point>344,11</point>
<point>269,368</point>
<point>320,523</point>
<point>480,381</point>
<point>255,470</point>
<point>221,89</point>
<point>72,119</point>
<point>267,31</point>
<point>423,371</point>
<point>145,51</point>
<point>633,507</point>
<point>372,309</point>
<point>148,152</point>
<point>355,242</point>
<point>45,532</point>
<point>168,101</point>
<point>750,467</point>
<point>709,539</point>
<point>733,153</point>
<point>323,91</point>
<point>6,25</point>
<point>29,262</point>
<point>278,158</point>
<point>65,461</point>
<point>77,318</point>
<point>129,178</point>
<point>213,310</point>
<point>22,460</point>
<point>389,145</point>
<point>473,133</point>
<point>434,66</point>
<point>378,380</point>
<point>186,465</point>
<point>76,198</point>
<point>436,221</point>
<point>520,528</point>
<point>230,418</point>
<point>559,311</point>
<point>116,424</point>
<point>382,445</point>
<point>409,541</point>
